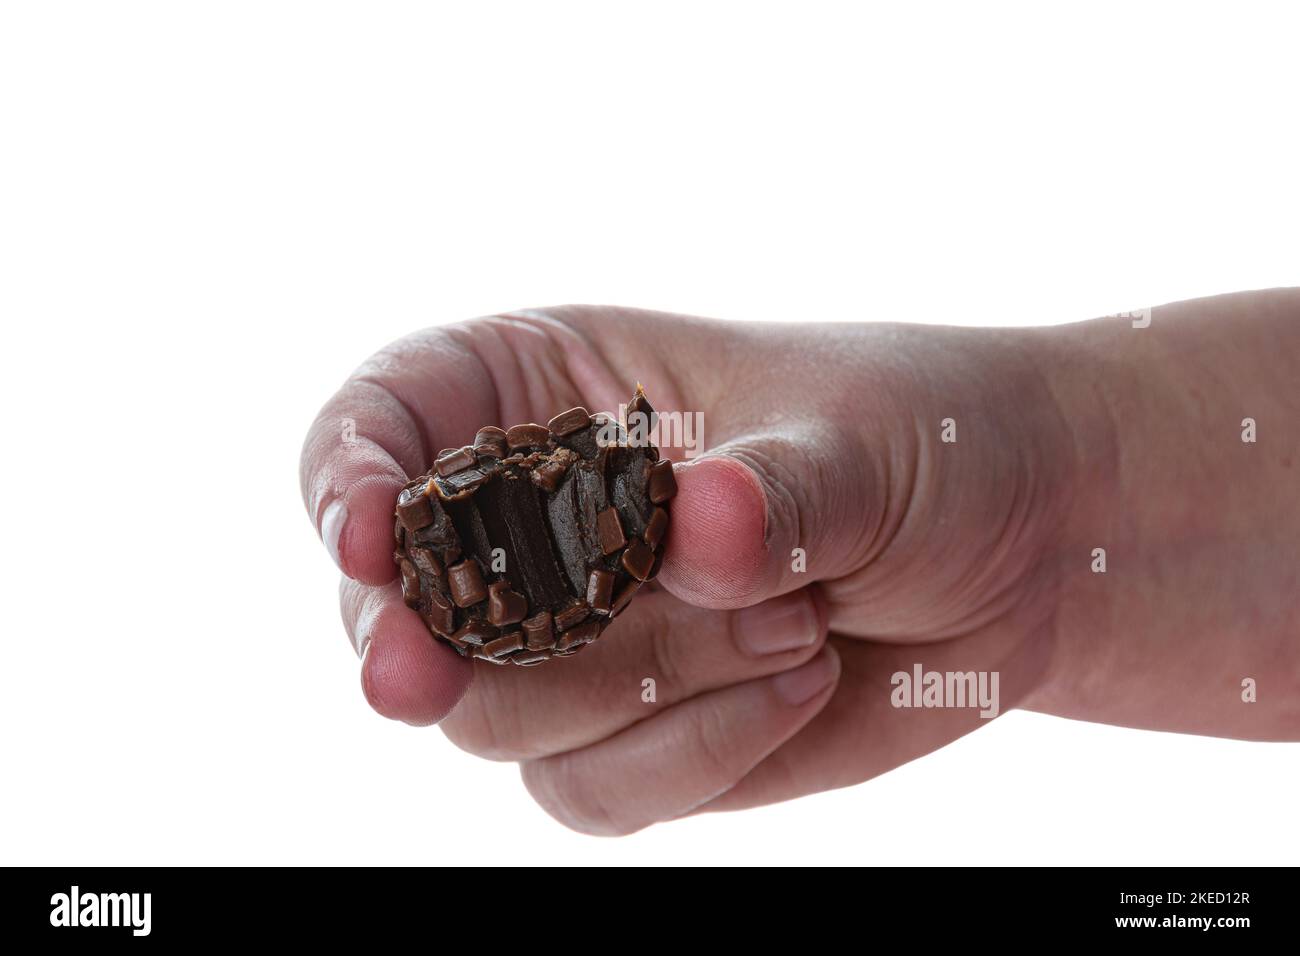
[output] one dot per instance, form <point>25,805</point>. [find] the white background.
<point>209,213</point>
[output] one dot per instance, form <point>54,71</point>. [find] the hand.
<point>958,556</point>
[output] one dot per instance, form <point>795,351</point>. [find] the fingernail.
<point>808,680</point>
<point>331,528</point>
<point>786,623</point>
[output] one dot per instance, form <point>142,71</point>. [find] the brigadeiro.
<point>524,545</point>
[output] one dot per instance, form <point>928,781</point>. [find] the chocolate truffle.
<point>525,544</point>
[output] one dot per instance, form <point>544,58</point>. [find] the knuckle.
<point>714,752</point>
<point>735,636</point>
<point>486,724</point>
<point>568,795</point>
<point>666,653</point>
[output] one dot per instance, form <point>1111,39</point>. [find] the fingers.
<point>354,462</point>
<point>762,515</point>
<point>405,674</point>
<point>514,713</point>
<point>377,431</point>
<point>864,732</point>
<point>668,765</point>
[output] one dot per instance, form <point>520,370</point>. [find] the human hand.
<point>958,556</point>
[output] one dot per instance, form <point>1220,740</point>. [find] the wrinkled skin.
<point>972,555</point>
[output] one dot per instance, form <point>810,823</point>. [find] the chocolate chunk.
<point>505,644</point>
<point>477,633</point>
<point>522,545</point>
<point>539,634</point>
<point>425,560</point>
<point>610,530</point>
<point>548,475</point>
<point>504,605</point>
<point>410,584</point>
<point>460,483</point>
<point>655,527</point>
<point>638,559</point>
<point>660,482</point>
<point>584,633</point>
<point>441,613</point>
<point>413,509</point>
<point>467,587</point>
<point>529,658</point>
<point>566,423</point>
<point>528,436</point>
<point>461,647</point>
<point>600,589</point>
<point>452,462</point>
<point>571,616</point>
<point>491,441</point>
<point>439,534</point>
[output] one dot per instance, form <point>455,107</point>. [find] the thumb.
<point>768,513</point>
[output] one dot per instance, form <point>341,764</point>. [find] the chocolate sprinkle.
<point>454,461</point>
<point>660,482</point>
<point>638,560</point>
<point>528,436</point>
<point>610,530</point>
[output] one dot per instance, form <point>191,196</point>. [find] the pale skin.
<point>973,555</point>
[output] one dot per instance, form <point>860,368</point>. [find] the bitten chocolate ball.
<point>524,545</point>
